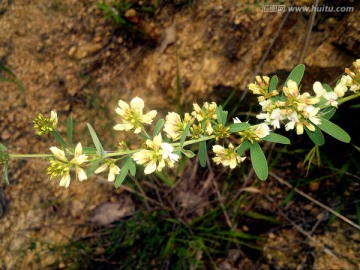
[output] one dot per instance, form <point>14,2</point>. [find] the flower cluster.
<point>132,117</point>
<point>201,120</point>
<point>157,155</point>
<point>174,126</point>
<point>295,110</point>
<point>291,109</point>
<point>60,166</point>
<point>44,125</point>
<point>113,169</point>
<point>206,115</point>
<point>261,88</point>
<point>351,81</point>
<point>227,157</point>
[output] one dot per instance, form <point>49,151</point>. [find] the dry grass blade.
<point>284,182</point>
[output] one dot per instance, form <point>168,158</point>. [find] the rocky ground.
<point>71,59</point>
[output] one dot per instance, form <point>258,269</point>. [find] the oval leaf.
<point>202,153</point>
<point>132,166</point>
<point>159,124</point>
<point>328,112</point>
<point>327,87</point>
<point>316,136</point>
<point>237,127</point>
<point>334,130</point>
<point>273,83</point>
<point>188,153</point>
<point>243,147</point>
<point>258,161</point>
<point>276,138</point>
<point>122,175</point>
<point>296,74</point>
<point>184,134</point>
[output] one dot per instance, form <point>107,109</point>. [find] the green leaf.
<point>224,117</point>
<point>328,112</point>
<point>184,134</point>
<point>3,148</point>
<point>132,166</point>
<point>221,115</point>
<point>69,129</point>
<point>202,153</point>
<point>237,127</point>
<point>122,175</point>
<point>89,150</point>
<point>94,165</point>
<point>59,139</point>
<point>159,124</point>
<point>7,70</point>
<point>243,147</point>
<point>188,153</point>
<point>99,149</point>
<point>273,83</point>
<point>144,136</point>
<point>296,74</point>
<point>327,87</point>
<point>6,176</point>
<point>316,136</point>
<point>276,138</point>
<point>218,112</point>
<point>260,216</point>
<point>258,161</point>
<point>334,130</point>
<point>355,106</point>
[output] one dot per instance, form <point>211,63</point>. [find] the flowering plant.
<point>208,123</point>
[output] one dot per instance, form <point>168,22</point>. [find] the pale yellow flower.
<point>113,170</point>
<point>132,117</point>
<point>157,156</point>
<point>227,157</point>
<point>320,91</point>
<point>207,114</point>
<point>44,125</point>
<point>174,126</point>
<point>260,87</point>
<point>65,180</point>
<point>291,90</point>
<point>262,130</point>
<point>60,165</point>
<point>342,87</point>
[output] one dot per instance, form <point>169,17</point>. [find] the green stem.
<point>345,99</point>
<point>20,156</point>
<point>115,154</point>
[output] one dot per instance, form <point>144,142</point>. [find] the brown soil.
<point>70,59</point>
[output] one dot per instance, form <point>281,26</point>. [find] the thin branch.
<point>308,32</point>
<point>276,35</point>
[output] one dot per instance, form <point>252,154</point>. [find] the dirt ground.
<point>72,60</point>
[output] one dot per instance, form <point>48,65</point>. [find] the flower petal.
<point>102,168</point>
<point>150,168</point>
<point>81,174</point>
<point>137,104</point>
<point>78,150</point>
<point>65,180</point>
<point>58,153</point>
